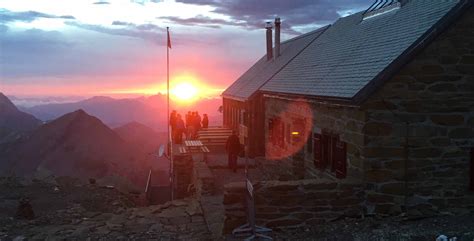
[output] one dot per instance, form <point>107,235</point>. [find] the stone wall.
<point>420,128</point>
<point>345,121</point>
<point>293,203</point>
<point>203,179</point>
<point>183,176</point>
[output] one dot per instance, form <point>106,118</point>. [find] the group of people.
<point>188,127</point>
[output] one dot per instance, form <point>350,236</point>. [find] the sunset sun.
<point>184,91</point>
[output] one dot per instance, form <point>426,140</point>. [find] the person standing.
<point>232,147</point>
<point>173,123</point>
<point>191,126</point>
<point>188,124</point>
<point>205,121</point>
<point>179,129</point>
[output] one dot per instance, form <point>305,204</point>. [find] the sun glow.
<point>184,91</point>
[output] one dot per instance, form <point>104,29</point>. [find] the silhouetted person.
<point>197,124</point>
<point>232,147</point>
<point>173,123</point>
<point>205,121</point>
<point>192,126</point>
<point>180,128</point>
<point>188,118</point>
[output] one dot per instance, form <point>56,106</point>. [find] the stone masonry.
<point>420,128</point>
<point>293,203</point>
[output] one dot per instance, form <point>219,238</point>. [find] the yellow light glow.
<point>184,91</point>
<point>295,133</point>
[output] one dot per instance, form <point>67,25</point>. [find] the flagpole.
<point>168,110</point>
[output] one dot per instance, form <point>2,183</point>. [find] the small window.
<point>330,152</point>
<point>276,132</point>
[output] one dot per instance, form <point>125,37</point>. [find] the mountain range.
<point>80,145</point>
<point>150,111</point>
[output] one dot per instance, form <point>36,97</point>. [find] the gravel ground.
<point>386,229</point>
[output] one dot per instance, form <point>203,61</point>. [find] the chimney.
<point>277,37</point>
<point>268,26</point>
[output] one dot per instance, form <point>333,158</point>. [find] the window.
<point>298,130</point>
<point>330,152</point>
<point>276,132</point>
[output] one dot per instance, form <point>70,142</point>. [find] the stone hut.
<point>383,97</point>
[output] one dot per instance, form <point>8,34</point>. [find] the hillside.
<point>146,140</point>
<point>78,145</point>
<point>14,121</point>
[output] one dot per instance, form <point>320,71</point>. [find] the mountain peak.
<point>5,103</point>
<point>13,119</point>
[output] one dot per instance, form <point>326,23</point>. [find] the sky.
<point>118,47</point>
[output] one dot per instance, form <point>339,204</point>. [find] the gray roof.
<point>263,70</point>
<point>353,51</point>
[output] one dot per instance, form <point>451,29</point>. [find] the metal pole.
<point>168,111</point>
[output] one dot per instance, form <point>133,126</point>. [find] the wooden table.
<point>193,146</point>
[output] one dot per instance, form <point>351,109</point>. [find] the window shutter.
<point>340,159</point>
<point>326,148</point>
<point>309,143</point>
<point>318,151</point>
<point>472,170</point>
<point>271,135</point>
<point>333,149</point>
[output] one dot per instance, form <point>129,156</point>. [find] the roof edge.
<point>311,98</point>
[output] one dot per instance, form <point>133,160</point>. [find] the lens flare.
<point>290,130</point>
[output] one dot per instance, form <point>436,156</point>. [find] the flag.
<point>169,39</point>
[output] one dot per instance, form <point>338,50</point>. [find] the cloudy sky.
<point>118,47</point>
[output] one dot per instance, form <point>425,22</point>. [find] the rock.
<point>25,210</point>
<point>283,222</point>
<point>448,120</point>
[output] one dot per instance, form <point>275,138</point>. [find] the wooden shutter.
<point>333,140</point>
<point>318,151</point>
<point>340,159</point>
<point>326,148</point>
<point>309,143</point>
<point>271,134</point>
<point>472,170</point>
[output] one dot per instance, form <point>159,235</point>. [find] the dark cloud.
<point>294,13</point>
<point>67,17</point>
<point>148,32</point>
<point>203,21</point>
<point>120,23</point>
<point>142,2</point>
<point>101,3</point>
<point>28,16</point>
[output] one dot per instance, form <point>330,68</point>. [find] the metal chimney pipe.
<point>268,26</point>
<point>277,37</point>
